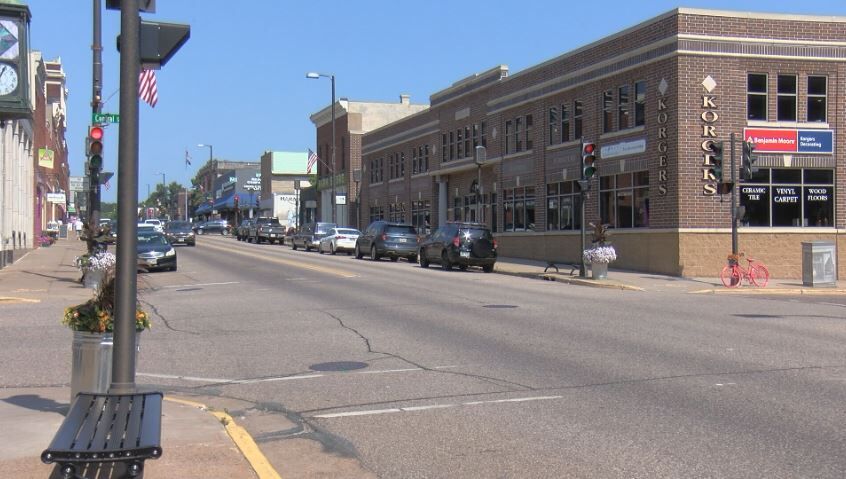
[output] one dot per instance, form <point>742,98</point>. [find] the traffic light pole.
<point>733,200</point>
<point>126,280</point>
<point>582,266</point>
<point>96,93</point>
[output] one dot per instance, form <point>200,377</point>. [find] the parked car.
<point>383,238</point>
<point>462,244</point>
<point>339,239</point>
<point>309,235</point>
<point>243,230</point>
<point>180,232</point>
<point>155,252</point>
<point>266,228</point>
<point>213,226</point>
<point>146,228</point>
<point>156,223</point>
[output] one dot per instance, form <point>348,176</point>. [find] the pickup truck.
<point>266,229</point>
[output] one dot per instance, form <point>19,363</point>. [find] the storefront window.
<point>624,200</point>
<point>519,209</point>
<point>563,203</point>
<point>789,197</point>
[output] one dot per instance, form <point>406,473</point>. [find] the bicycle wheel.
<point>731,276</point>
<point>759,274</point>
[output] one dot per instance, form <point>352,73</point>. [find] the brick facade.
<point>693,67</point>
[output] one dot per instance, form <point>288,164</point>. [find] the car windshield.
<point>269,221</point>
<point>148,239</point>
<point>324,229</point>
<point>400,230</point>
<point>345,231</point>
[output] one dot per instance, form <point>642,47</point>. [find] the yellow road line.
<point>295,264</point>
<point>241,438</point>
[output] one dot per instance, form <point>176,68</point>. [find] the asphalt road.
<point>427,373</point>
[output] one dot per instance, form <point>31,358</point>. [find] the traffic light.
<point>236,202</point>
<point>94,148</point>
<point>588,160</point>
<point>747,160</point>
<point>717,157</point>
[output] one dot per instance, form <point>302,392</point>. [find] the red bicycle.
<point>733,274</point>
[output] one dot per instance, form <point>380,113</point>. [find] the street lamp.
<point>331,76</point>
<point>211,150</point>
<point>481,156</point>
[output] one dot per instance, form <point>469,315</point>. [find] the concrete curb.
<point>774,291</point>
<point>591,283</point>
<point>241,438</point>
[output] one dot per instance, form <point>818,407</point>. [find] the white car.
<point>157,224</point>
<point>339,239</point>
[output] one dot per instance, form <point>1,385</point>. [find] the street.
<point>426,373</point>
<point>381,369</point>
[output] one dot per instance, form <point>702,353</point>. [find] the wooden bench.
<point>108,428</point>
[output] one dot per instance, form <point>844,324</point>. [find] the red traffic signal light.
<point>94,150</point>
<point>588,160</point>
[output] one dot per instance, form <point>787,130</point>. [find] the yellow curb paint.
<point>10,300</point>
<point>241,438</point>
<point>295,264</point>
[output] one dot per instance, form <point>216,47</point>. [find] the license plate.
<point>402,240</point>
<point>465,254</point>
<point>272,235</point>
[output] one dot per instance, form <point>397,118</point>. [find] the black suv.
<point>383,238</point>
<point>462,244</point>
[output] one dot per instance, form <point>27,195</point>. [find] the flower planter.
<point>599,270</point>
<point>91,369</point>
<point>92,278</point>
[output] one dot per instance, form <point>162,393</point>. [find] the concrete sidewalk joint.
<point>241,438</point>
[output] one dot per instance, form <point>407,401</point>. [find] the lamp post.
<point>481,156</point>
<point>164,192</point>
<point>331,76</point>
<point>357,180</point>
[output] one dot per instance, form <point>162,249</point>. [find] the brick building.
<point>353,119</point>
<point>655,98</point>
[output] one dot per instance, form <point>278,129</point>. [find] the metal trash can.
<point>91,369</point>
<point>819,264</point>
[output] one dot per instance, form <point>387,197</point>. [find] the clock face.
<point>8,79</point>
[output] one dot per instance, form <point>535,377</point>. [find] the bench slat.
<point>151,431</point>
<point>133,424</point>
<point>67,433</point>
<point>89,424</point>
<point>108,424</point>
<point>116,439</point>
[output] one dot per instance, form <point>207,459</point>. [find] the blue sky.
<point>239,83</point>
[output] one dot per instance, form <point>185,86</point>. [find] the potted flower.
<point>601,253</point>
<point>95,267</point>
<point>92,323</point>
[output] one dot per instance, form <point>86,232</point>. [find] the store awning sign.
<point>772,140</point>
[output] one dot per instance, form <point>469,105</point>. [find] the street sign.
<point>76,183</point>
<point>56,198</point>
<point>100,118</point>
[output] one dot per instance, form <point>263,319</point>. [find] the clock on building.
<point>14,61</point>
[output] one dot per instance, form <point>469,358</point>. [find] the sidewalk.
<point>638,281</point>
<point>196,442</point>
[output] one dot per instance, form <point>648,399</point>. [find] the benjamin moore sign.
<point>772,140</point>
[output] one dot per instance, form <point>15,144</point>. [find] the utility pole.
<point>96,94</point>
<point>733,200</point>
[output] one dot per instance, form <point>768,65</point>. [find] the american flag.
<point>187,159</point>
<point>147,90</point>
<point>312,159</point>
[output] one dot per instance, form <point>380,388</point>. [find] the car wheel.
<point>394,259</point>
<point>488,268</point>
<point>200,232</point>
<point>445,264</point>
<point>424,263</point>
<point>332,248</point>
<point>358,254</point>
<point>373,255</point>
<point>320,248</point>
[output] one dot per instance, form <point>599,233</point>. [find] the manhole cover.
<point>338,366</point>
<point>499,306</point>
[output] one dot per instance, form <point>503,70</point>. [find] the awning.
<point>245,201</point>
<point>203,209</point>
